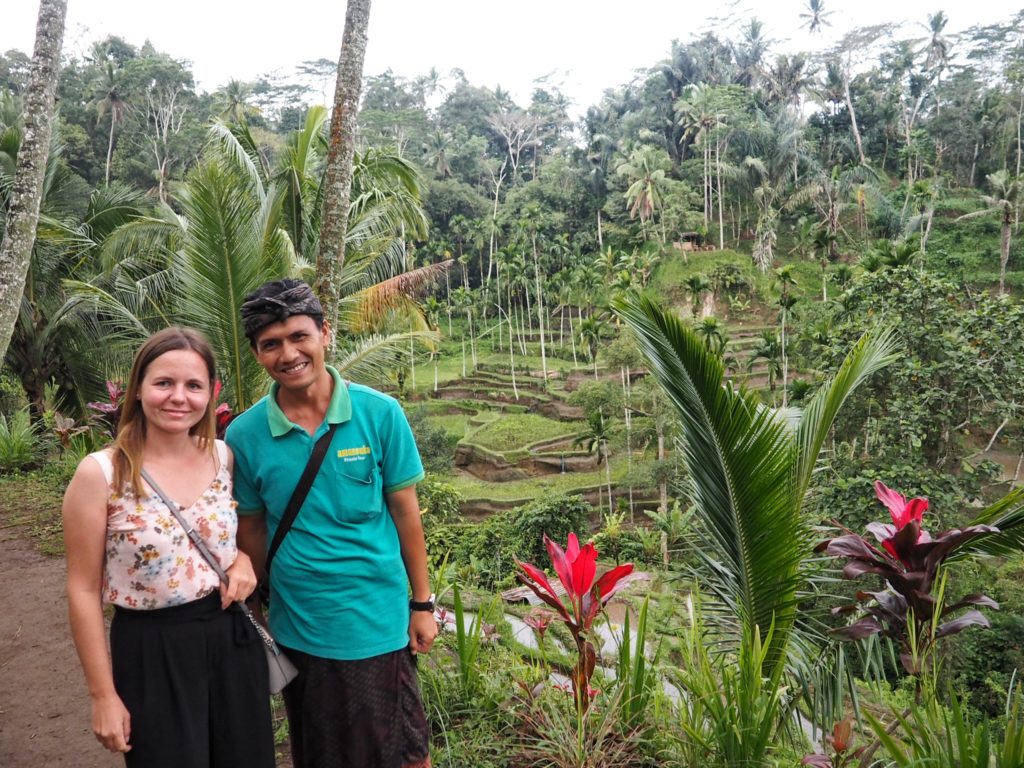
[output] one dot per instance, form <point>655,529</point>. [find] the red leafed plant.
<point>908,560</point>
<point>576,567</point>
<point>108,414</point>
<point>841,742</point>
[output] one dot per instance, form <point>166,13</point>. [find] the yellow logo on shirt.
<point>349,454</point>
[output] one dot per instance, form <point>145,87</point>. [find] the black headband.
<point>295,298</point>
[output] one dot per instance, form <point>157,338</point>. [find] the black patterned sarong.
<point>357,714</point>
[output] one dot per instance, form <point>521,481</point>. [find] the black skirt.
<point>357,714</point>
<point>194,680</point>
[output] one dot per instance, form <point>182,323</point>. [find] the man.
<point>340,603</point>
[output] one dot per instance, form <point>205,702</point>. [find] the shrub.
<point>21,444</point>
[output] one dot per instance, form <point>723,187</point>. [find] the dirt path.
<point>44,707</point>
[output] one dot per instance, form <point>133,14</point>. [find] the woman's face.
<point>175,391</point>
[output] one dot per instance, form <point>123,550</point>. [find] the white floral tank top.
<point>150,562</point>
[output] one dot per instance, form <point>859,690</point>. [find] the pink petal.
<point>572,551</point>
<point>916,508</point>
<point>584,569</point>
<point>609,581</point>
<point>895,502</point>
<point>561,565</point>
<point>538,577</point>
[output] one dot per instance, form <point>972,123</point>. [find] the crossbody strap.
<point>208,556</point>
<point>192,533</point>
<point>316,458</point>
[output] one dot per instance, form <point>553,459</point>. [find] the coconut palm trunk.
<point>30,170</point>
<point>338,179</point>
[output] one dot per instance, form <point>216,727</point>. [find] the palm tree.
<point>232,102</point>
<point>435,152</point>
<point>937,48</point>
<point>816,16</point>
<point>596,437</point>
<point>784,280</point>
<point>337,186</point>
<point>645,170</point>
<point>1005,201</point>
<point>110,101</point>
<point>696,285</point>
<point>589,331</point>
<point>26,189</point>
<point>432,311</point>
<point>230,234</point>
<point>768,349</point>
<point>710,332</point>
<point>749,471</point>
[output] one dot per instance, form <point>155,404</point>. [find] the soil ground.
<point>44,705</point>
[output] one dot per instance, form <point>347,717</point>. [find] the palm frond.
<point>236,143</point>
<point>373,358</point>
<point>367,308</point>
<point>740,458</point>
<point>872,352</point>
<point>232,246</point>
<point>1006,514</point>
<point>147,237</point>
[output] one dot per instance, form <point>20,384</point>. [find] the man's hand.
<point>422,631</point>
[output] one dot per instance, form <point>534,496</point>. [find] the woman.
<point>186,680</point>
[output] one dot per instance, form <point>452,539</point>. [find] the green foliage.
<point>957,374</point>
<point>439,501</point>
<point>21,442</point>
<point>729,716</point>
<point>844,491</point>
<point>635,676</point>
<point>516,431</point>
<point>435,444</point>
<point>486,551</point>
<point>749,472</point>
<point>935,735</point>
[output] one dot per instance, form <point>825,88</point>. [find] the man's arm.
<point>252,540</point>
<point>404,507</point>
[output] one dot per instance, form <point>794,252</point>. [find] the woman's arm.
<point>85,530</point>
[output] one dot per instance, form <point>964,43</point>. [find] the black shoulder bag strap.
<point>298,497</point>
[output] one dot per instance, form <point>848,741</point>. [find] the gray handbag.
<point>280,668</point>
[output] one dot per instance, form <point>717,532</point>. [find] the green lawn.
<point>535,487</point>
<point>518,430</point>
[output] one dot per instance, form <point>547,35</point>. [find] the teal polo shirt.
<point>340,589</point>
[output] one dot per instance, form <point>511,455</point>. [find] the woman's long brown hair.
<point>131,430</point>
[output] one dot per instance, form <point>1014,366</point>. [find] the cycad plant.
<point>749,469</point>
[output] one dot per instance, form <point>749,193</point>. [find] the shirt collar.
<point>339,410</point>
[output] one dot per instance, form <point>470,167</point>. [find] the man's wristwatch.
<point>422,605</point>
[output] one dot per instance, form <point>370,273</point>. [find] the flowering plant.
<point>908,560</point>
<point>576,567</point>
<point>841,742</point>
<point>108,414</point>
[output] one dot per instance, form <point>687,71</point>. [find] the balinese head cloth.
<point>275,302</point>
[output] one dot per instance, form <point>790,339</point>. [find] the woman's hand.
<point>241,581</point>
<point>111,723</point>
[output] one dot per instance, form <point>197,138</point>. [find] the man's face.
<point>293,351</point>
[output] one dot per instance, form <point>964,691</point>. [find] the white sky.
<point>584,46</point>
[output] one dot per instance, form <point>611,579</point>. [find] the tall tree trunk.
<point>1004,252</point>
<point>853,119</point>
<point>30,170</point>
<point>338,179</point>
<point>110,147</point>
<point>540,310</point>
